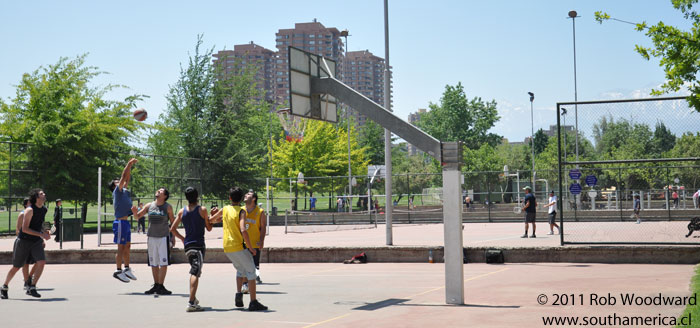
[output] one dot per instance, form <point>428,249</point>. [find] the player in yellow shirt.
<point>256,224</point>
<point>235,234</point>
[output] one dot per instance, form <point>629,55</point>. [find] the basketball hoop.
<point>294,126</point>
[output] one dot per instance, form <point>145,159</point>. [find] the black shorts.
<point>25,250</point>
<point>552,216</point>
<point>256,258</point>
<point>195,256</point>
<point>530,217</point>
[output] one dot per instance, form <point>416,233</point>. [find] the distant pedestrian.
<point>312,201</point>
<point>637,206</point>
<point>530,210</point>
<point>674,196</point>
<point>339,204</point>
<point>552,213</point>
<point>696,196</point>
<point>57,219</point>
<point>26,273</point>
<point>141,225</point>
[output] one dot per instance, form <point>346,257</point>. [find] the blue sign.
<point>575,188</point>
<point>575,174</point>
<point>591,180</point>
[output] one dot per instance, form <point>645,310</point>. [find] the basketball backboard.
<point>302,67</point>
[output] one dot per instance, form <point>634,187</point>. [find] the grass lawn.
<point>692,310</point>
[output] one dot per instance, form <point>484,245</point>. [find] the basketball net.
<point>294,126</point>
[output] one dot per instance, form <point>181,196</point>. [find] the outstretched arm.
<point>126,174</point>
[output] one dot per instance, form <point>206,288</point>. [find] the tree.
<point>73,128</point>
<point>678,50</point>
<point>216,115</point>
<point>540,140</point>
<point>371,136</point>
<point>662,141</point>
<point>322,152</point>
<point>456,118</point>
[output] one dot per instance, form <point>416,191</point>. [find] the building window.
<point>312,49</point>
<point>311,35</point>
<point>312,42</point>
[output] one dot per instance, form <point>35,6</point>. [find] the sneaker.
<point>163,291</point>
<point>533,236</point>
<point>129,274</point>
<point>3,292</point>
<point>239,300</point>
<point>28,283</point>
<point>639,221</point>
<point>551,233</point>
<point>119,275</point>
<point>256,306</point>
<point>32,292</point>
<point>258,280</point>
<point>244,288</point>
<point>194,307</point>
<point>153,289</point>
<point>523,236</point>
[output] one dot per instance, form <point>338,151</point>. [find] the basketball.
<point>140,114</point>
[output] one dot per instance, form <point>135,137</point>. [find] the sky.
<point>499,50</point>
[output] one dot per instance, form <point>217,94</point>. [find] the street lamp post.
<point>345,33</point>
<point>573,14</point>
<point>563,115</point>
<point>532,139</point>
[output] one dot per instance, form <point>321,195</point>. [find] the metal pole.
<point>347,116</point>
<point>387,134</point>
<point>573,16</point>
<point>99,206</point>
<point>532,143</point>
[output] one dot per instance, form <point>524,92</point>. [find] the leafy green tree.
<point>218,116</point>
<point>678,50</point>
<point>663,140</point>
<point>371,136</point>
<point>322,152</point>
<point>73,127</point>
<point>457,118</point>
<point>541,140</point>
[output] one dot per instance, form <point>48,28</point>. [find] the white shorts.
<point>243,262</point>
<point>158,251</point>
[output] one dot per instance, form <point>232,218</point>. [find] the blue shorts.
<point>122,232</point>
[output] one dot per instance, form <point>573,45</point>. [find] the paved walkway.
<point>337,295</point>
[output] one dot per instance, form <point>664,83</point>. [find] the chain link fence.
<point>625,150</point>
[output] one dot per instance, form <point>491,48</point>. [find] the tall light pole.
<point>573,14</point>
<point>345,33</point>
<point>389,208</point>
<point>532,139</point>
<point>563,115</point>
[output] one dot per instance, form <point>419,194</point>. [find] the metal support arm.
<point>377,113</point>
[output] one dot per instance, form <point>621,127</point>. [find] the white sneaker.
<point>639,221</point>
<point>129,274</point>
<point>551,233</point>
<point>119,275</point>
<point>244,289</point>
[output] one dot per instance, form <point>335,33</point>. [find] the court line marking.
<point>329,320</point>
<point>414,295</point>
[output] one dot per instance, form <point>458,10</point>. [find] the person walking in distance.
<point>30,243</point>
<point>160,218</point>
<point>530,210</point>
<point>121,227</point>
<point>552,213</point>
<point>637,206</point>
<point>141,222</point>
<point>235,234</point>
<point>256,224</point>
<point>195,219</point>
<point>26,273</point>
<point>57,218</point>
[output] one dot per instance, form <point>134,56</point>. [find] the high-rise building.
<point>312,37</point>
<point>364,72</point>
<point>261,58</point>
<point>413,118</point>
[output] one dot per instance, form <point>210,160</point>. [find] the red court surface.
<point>337,295</point>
